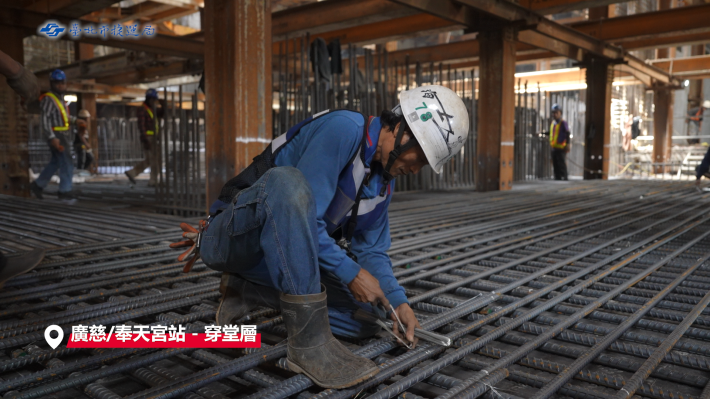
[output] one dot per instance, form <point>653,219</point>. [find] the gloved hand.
<point>192,241</point>
<point>56,145</point>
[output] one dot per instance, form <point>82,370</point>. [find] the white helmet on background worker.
<point>438,119</point>
<point>84,114</point>
<point>706,104</point>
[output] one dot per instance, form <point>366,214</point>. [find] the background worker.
<point>82,149</point>
<point>24,83</point>
<point>559,137</point>
<point>148,127</point>
<point>55,123</point>
<point>695,117</point>
<point>309,217</point>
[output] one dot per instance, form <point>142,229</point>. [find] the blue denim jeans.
<point>269,236</point>
<point>61,161</point>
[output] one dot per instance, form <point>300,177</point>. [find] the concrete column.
<point>598,119</point>
<point>14,134</point>
<point>662,126</point>
<point>87,101</point>
<point>496,109</point>
<point>238,87</point>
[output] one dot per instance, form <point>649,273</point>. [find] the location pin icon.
<point>54,342</point>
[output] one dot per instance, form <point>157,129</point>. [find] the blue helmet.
<point>556,107</point>
<point>151,93</point>
<point>57,75</point>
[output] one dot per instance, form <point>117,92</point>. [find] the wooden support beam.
<point>671,39</point>
<point>496,110</point>
<point>146,9</point>
<point>597,13</point>
<point>562,39</point>
<point>600,75</point>
<point>14,133</point>
<point>545,7</point>
<point>176,12</point>
<point>87,101</point>
<point>152,73</point>
<point>238,79</point>
<point>446,9</point>
<point>697,67</point>
<point>535,39</point>
<point>128,68</point>
<point>663,5</point>
<point>327,16</point>
<point>68,8</point>
<point>381,32</point>
<point>627,28</point>
<point>662,126</point>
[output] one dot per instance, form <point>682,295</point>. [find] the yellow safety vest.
<point>62,109</point>
<point>554,133</point>
<point>150,113</point>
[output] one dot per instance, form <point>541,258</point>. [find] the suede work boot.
<point>312,349</point>
<point>16,265</point>
<point>36,190</point>
<point>240,297</point>
<point>131,176</point>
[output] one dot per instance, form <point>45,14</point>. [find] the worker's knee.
<point>289,188</point>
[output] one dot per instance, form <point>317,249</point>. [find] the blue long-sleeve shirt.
<point>321,151</point>
<point>563,136</point>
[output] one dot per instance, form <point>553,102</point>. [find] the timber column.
<point>83,51</point>
<point>14,133</point>
<point>238,87</point>
<point>662,126</point>
<point>600,75</point>
<point>496,109</point>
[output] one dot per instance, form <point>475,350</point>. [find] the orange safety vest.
<point>62,109</point>
<point>150,113</point>
<point>554,133</point>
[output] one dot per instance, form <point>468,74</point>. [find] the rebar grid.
<point>584,290</point>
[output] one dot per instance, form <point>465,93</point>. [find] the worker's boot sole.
<point>36,190</point>
<point>17,265</point>
<point>130,178</point>
<point>296,369</point>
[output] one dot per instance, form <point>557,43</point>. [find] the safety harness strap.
<point>394,154</point>
<point>150,113</point>
<point>62,110</point>
<point>352,223</point>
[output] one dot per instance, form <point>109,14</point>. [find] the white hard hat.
<point>84,114</point>
<point>439,120</point>
<point>706,104</point>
